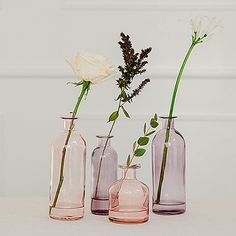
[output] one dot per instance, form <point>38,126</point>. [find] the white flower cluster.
<point>205,27</point>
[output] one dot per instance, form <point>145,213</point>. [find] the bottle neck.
<point>167,122</point>
<point>129,173</point>
<point>69,123</point>
<point>103,139</point>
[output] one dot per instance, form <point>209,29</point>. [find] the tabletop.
<point>29,217</point>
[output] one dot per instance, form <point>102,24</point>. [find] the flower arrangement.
<point>134,64</point>
<point>89,69</point>
<point>128,197</point>
<point>202,29</point>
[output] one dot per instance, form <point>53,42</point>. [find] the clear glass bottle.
<point>172,191</point>
<point>67,186</point>
<point>104,174</point>
<point>129,198</point>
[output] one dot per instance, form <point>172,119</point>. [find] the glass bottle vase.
<point>67,186</point>
<point>168,176</point>
<point>104,174</point>
<point>129,198</point>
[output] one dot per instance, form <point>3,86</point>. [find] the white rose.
<point>91,67</point>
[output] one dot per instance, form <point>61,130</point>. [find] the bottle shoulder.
<point>128,183</point>
<point>75,138</point>
<point>174,134</point>
<point>109,151</point>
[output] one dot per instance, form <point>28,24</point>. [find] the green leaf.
<point>150,133</point>
<point>124,95</point>
<point>128,160</point>
<point>153,123</point>
<point>114,115</point>
<point>76,84</point>
<point>134,145</point>
<point>139,152</point>
<point>125,112</point>
<point>142,141</point>
<point>155,117</point>
<point>145,128</point>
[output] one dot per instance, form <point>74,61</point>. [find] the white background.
<point>37,35</point>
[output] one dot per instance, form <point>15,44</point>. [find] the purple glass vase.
<point>168,176</point>
<point>104,174</point>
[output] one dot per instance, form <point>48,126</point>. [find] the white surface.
<point>28,217</point>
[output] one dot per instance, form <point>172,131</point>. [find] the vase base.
<point>67,214</point>
<point>169,209</point>
<point>129,217</point>
<point>99,206</point>
<point>100,212</point>
<point>130,221</point>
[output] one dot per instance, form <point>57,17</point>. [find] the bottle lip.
<point>135,166</point>
<point>104,136</point>
<point>168,117</point>
<point>69,118</point>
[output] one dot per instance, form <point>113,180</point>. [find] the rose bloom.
<point>91,67</point>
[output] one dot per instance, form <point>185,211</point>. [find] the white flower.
<point>205,27</point>
<point>91,67</point>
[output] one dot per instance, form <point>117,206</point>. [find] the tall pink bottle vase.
<point>67,196</point>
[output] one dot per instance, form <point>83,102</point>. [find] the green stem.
<point>103,151</point>
<point>85,87</point>
<point>133,156</point>
<point>178,79</point>
<point>165,150</point>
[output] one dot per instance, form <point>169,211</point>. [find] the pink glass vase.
<point>128,198</point>
<point>104,174</point>
<point>67,186</point>
<point>168,196</point>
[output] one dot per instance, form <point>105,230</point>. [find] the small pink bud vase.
<point>129,198</point>
<point>67,186</point>
<point>168,196</point>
